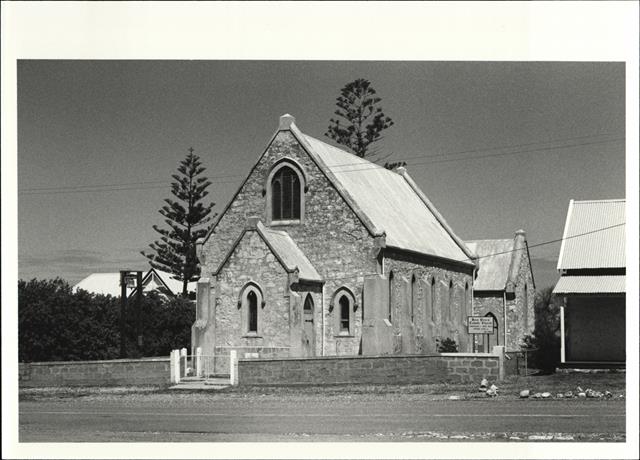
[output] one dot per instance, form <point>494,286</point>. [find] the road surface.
<point>315,419</point>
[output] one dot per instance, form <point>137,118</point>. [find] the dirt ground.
<point>614,382</point>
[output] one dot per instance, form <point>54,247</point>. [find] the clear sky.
<point>497,146</point>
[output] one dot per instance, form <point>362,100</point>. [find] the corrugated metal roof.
<point>289,252</point>
<point>494,260</point>
<point>101,283</point>
<point>387,199</point>
<point>585,245</point>
<point>613,284</point>
<point>109,283</point>
<point>173,284</point>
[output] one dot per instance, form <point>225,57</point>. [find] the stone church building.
<point>323,253</point>
<point>504,290</point>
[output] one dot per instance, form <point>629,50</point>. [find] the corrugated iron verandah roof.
<point>608,284</point>
<point>594,235</point>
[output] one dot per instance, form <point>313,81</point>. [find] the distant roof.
<point>590,285</point>
<point>494,260</point>
<point>100,283</point>
<point>109,283</point>
<point>594,235</point>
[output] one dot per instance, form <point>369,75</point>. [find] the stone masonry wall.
<point>252,260</point>
<point>420,335</point>
<point>331,235</point>
<point>150,371</point>
<point>402,369</point>
<point>489,302</point>
<point>521,316</point>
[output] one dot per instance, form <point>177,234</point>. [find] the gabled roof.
<point>283,248</point>
<point>499,262</point>
<point>109,283</point>
<point>594,235</point>
<point>388,203</point>
<point>494,260</point>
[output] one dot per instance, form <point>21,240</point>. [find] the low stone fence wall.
<point>389,369</point>
<point>145,371</point>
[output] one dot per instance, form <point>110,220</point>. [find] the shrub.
<point>446,345</point>
<point>56,324</point>
<point>545,340</point>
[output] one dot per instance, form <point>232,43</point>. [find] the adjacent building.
<point>153,280</point>
<point>593,267</point>
<point>504,290</point>
<point>321,252</point>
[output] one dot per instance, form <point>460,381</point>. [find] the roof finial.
<point>286,121</point>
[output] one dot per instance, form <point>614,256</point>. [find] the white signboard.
<point>480,325</point>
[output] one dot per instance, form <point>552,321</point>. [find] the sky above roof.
<point>496,146</point>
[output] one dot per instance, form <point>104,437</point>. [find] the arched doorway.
<point>493,339</point>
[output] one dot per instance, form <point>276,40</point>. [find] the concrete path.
<point>202,384</point>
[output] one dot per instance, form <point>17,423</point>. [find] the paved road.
<point>317,420</point>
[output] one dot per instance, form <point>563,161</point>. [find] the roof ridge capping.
<point>402,171</point>
<point>286,121</point>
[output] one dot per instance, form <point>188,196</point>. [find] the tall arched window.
<point>250,303</point>
<point>465,299</point>
<point>390,294</point>
<point>432,299</point>
<point>344,313</point>
<point>252,307</point>
<point>525,311</point>
<point>450,301</point>
<point>285,195</point>
<point>343,304</point>
<point>414,295</point>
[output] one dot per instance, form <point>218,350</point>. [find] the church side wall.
<point>421,336</point>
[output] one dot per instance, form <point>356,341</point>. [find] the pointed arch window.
<point>525,310</point>
<point>285,193</point>
<point>250,304</point>
<point>432,299</point>
<point>414,295</point>
<point>343,305</point>
<point>390,309</point>
<point>450,301</point>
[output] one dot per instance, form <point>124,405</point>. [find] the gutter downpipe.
<point>322,310</point>
<point>473,282</point>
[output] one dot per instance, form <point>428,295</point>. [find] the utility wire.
<point>503,252</point>
<point>372,166</point>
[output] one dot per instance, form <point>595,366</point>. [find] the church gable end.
<point>289,192</point>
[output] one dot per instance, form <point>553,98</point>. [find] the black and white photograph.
<point>256,243</point>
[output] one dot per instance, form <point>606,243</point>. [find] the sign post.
<point>480,325</point>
